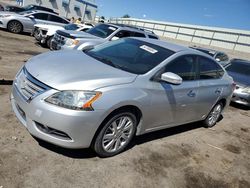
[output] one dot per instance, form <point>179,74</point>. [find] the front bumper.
<point>241,98</point>
<point>3,23</point>
<point>59,126</point>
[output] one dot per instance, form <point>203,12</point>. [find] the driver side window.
<point>184,66</point>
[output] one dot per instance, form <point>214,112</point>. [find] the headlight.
<point>75,100</point>
<point>71,42</point>
<point>4,16</point>
<point>246,90</point>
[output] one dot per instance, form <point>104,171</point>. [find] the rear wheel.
<point>115,135</point>
<point>15,26</point>
<point>214,115</point>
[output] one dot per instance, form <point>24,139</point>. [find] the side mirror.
<point>115,38</point>
<point>171,78</point>
<point>31,17</point>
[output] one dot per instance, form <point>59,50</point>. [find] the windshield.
<point>25,12</point>
<point>28,7</point>
<point>239,67</point>
<point>102,30</point>
<point>71,27</point>
<point>131,55</point>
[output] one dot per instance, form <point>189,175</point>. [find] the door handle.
<point>191,93</point>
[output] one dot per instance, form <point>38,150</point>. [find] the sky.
<point>233,14</point>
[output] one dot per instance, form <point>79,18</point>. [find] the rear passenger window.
<point>57,19</point>
<point>209,69</point>
<point>41,16</point>
<point>184,66</point>
<point>139,35</point>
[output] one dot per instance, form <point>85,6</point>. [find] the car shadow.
<point>22,33</point>
<point>138,140</point>
<point>239,106</point>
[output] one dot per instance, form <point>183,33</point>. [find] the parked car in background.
<point>104,96</point>
<point>240,71</point>
<point>75,40</point>
<point>44,33</point>
<point>1,8</point>
<point>17,9</point>
<point>25,21</point>
<point>219,56</point>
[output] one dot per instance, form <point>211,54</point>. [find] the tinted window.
<point>184,66</point>
<point>130,55</point>
<point>239,67</point>
<point>41,16</point>
<point>102,30</point>
<point>209,69</point>
<point>123,33</point>
<point>57,19</point>
<point>152,37</point>
<point>136,34</point>
<point>211,53</point>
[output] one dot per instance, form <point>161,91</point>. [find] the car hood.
<point>240,79</point>
<point>46,26</point>
<point>74,70</point>
<point>76,34</point>
<point>7,13</point>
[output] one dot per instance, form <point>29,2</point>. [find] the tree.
<point>126,16</point>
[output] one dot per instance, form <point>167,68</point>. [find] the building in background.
<point>84,9</point>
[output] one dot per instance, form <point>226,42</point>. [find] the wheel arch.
<point>126,108</point>
<point>7,25</point>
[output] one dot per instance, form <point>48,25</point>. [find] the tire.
<point>213,115</point>
<point>115,135</point>
<point>15,26</point>
<point>48,42</point>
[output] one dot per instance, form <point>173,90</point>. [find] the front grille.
<point>28,86</point>
<point>59,39</point>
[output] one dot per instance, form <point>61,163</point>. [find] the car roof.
<point>42,11</point>
<point>206,49</point>
<point>167,45</point>
<point>133,28</point>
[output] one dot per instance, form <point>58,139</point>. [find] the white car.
<point>43,33</point>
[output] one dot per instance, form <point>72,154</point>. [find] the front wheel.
<point>214,115</point>
<point>48,42</point>
<point>115,135</point>
<point>15,26</point>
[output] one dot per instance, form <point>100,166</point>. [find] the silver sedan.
<point>25,21</point>
<point>104,96</point>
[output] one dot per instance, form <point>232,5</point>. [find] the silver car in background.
<point>101,33</point>
<point>104,96</point>
<point>239,69</point>
<point>25,21</point>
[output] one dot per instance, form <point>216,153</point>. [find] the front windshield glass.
<point>71,27</point>
<point>28,7</point>
<point>131,55</point>
<point>25,12</point>
<point>102,30</point>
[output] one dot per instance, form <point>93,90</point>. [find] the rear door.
<point>211,84</point>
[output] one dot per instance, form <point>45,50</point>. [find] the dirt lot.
<point>185,156</point>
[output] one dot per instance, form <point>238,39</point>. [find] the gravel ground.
<point>184,156</point>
